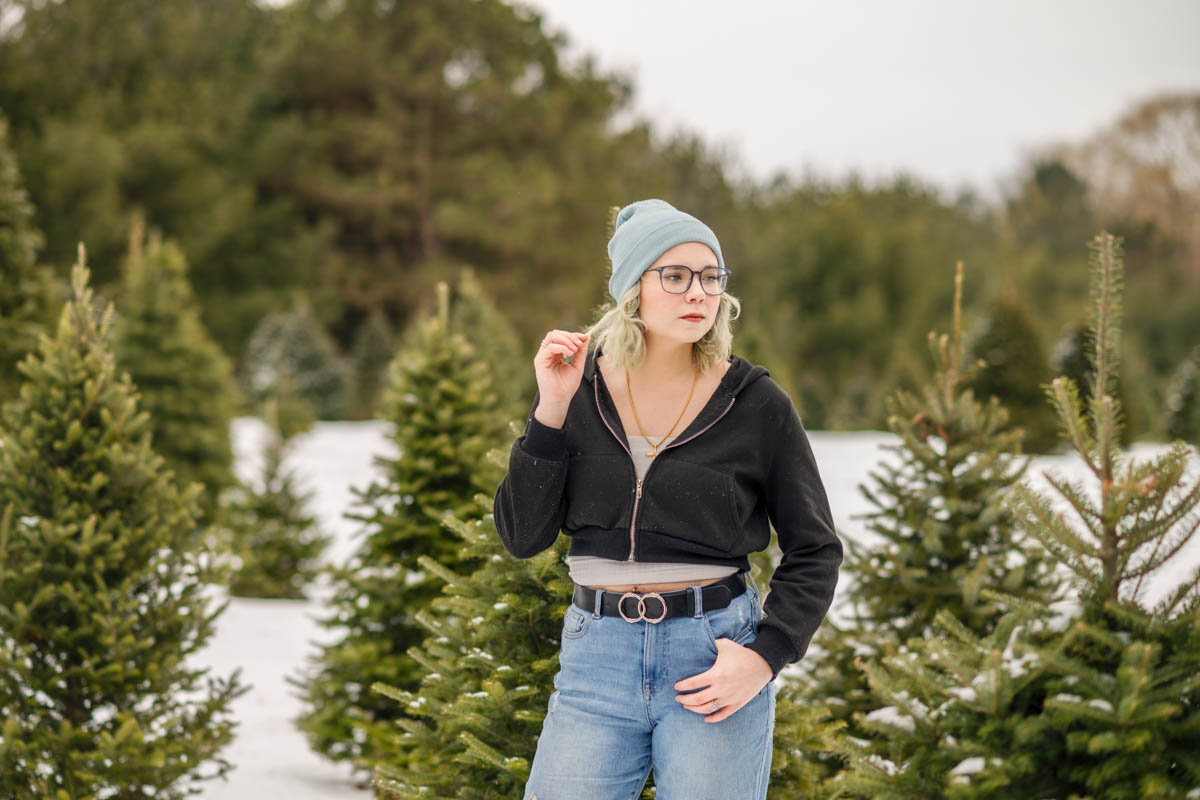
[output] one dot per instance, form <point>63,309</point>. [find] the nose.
<point>695,292</point>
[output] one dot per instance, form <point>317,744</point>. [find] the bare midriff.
<point>642,588</point>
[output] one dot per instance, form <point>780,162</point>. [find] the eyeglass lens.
<point>678,280</point>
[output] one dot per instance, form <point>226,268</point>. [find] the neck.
<point>666,360</point>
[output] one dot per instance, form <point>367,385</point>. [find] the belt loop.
<point>697,601</point>
<point>599,599</point>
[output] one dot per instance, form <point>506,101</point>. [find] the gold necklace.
<point>629,391</point>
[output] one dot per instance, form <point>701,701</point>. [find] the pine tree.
<point>807,734</point>
<point>1183,400</point>
<point>473,314</point>
<point>944,531</point>
<point>295,344</point>
<point>1073,359</point>
<point>101,590</point>
<point>444,411</point>
<point>1092,695</point>
<point>184,380</point>
<point>23,286</point>
<point>1016,367</point>
<point>276,543</point>
<point>372,352</point>
<point>471,728</point>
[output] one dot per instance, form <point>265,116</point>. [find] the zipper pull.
<point>639,488</point>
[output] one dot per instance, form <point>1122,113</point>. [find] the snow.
<point>890,715</point>
<point>888,767</point>
<point>270,640</point>
<point>1015,665</point>
<point>969,766</point>
<point>1065,612</point>
<point>967,694</point>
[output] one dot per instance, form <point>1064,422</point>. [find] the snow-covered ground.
<point>271,639</point>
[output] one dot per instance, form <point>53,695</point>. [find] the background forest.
<point>265,272</point>
<point>337,159</point>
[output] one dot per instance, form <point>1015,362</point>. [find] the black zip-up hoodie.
<point>708,497</point>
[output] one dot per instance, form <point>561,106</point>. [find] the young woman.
<point>666,459</point>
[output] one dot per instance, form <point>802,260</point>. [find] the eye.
<point>673,275</point>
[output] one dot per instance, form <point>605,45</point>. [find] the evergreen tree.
<point>1016,367</point>
<point>294,344</point>
<point>1092,695</point>
<point>372,352</point>
<point>1052,207</point>
<point>841,285</point>
<point>444,411</point>
<point>1073,359</point>
<point>807,734</point>
<point>184,380</point>
<point>276,543</point>
<point>23,286</point>
<point>1183,400</point>
<point>944,531</point>
<point>470,729</point>
<point>101,590</point>
<point>469,139</point>
<point>142,110</point>
<point>475,316</point>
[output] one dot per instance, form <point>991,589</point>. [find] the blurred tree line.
<point>338,159</point>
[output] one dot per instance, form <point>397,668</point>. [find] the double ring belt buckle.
<point>641,598</point>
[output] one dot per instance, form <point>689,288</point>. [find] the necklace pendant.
<point>652,453</point>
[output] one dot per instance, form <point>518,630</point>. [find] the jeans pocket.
<point>575,622</point>
<point>737,622</point>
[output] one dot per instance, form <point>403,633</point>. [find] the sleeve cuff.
<point>542,441</point>
<point>775,648</point>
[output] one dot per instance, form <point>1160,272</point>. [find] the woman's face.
<point>679,317</point>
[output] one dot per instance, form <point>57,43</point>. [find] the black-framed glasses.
<point>677,279</point>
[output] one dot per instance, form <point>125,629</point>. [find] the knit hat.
<point>644,231</point>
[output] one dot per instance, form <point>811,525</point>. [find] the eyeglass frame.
<point>721,273</point>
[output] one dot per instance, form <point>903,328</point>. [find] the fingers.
<point>724,713</point>
<point>699,701</point>
<point>702,703</point>
<point>569,339</point>
<point>558,345</point>
<point>732,681</point>
<point>557,349</point>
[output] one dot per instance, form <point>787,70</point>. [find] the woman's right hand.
<point>557,380</point>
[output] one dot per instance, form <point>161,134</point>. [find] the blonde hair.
<point>620,331</point>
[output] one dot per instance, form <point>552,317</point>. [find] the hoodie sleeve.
<point>801,589</point>
<point>530,503</point>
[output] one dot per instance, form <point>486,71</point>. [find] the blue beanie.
<point>644,231</point>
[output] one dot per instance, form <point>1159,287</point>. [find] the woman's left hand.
<point>737,676</point>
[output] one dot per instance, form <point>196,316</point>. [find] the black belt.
<point>657,606</point>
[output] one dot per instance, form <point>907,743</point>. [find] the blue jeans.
<point>613,714</point>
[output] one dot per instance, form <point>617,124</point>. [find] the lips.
<point>693,317</point>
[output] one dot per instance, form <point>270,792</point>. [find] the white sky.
<point>953,92</point>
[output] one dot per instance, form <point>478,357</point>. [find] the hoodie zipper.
<point>637,497</point>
